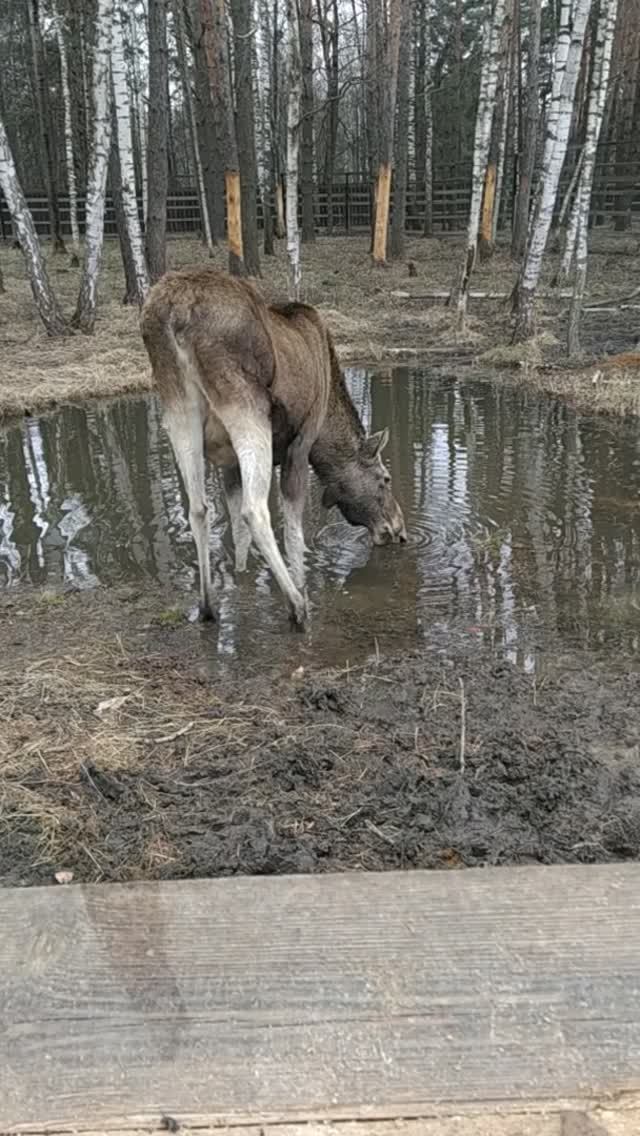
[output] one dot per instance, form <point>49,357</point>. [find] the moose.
<point>252,386</point>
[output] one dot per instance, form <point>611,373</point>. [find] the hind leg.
<point>250,433</point>
<point>232,482</point>
<point>184,425</point>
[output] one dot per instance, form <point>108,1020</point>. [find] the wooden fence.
<point>349,208</point>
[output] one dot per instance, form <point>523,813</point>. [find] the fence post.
<point>347,206</point>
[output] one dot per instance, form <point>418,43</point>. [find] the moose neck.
<point>342,431</point>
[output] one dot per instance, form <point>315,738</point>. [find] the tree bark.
<point>48,308</point>
<point>212,166</point>
<point>115,179</point>
<point>44,123</point>
<point>187,96</point>
<point>398,220</point>
<point>569,51</point>
<point>294,70</point>
<point>157,141</point>
<point>491,47</point>
<point>523,199</point>
<point>329,36</point>
<point>85,314</point>
<point>492,174</point>
<point>306,58</point>
<point>597,99</point>
<point>215,43</point>
<point>126,167</point>
<point>241,11</point>
<point>390,83</point>
<point>68,134</point>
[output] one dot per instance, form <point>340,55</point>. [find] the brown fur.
<point>253,363</point>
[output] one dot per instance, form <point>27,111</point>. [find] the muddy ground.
<point>374,313</point>
<point>128,751</point>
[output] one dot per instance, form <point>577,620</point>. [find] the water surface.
<point>522,515</point>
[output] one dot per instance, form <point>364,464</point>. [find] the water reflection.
<point>517,508</point>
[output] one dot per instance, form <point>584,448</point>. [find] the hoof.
<point>206,613</point>
<point>299,616</point>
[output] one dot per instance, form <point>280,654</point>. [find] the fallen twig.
<point>463,725</point>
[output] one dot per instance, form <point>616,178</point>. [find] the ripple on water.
<point>514,505</point>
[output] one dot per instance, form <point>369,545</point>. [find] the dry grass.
<point>374,314</point>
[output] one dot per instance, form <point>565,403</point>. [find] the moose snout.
<point>391,532</point>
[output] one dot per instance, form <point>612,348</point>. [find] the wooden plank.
<point>282,999</point>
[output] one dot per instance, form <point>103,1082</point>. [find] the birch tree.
<point>293,147</point>
<point>44,122</point>
<point>68,134</point>
<point>187,95</point>
<point>124,143</point>
<point>491,50</point>
<point>567,65</point>
<point>495,157</point>
<point>46,303</point>
<point>597,99</point>
<point>530,133</point>
<point>85,314</point>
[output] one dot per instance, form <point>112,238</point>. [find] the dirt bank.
<point>375,314</point>
<point>127,752</point>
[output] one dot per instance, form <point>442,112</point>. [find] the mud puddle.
<point>471,699</point>
<point>519,511</point>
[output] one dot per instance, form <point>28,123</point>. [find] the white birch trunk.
<point>492,27</point>
<point>567,67</point>
<point>141,101</point>
<point>68,135</point>
<point>178,21</point>
<point>85,315</point>
<point>595,114</point>
<point>293,147</point>
<point>46,302</point>
<point>502,145</point>
<point>125,153</point>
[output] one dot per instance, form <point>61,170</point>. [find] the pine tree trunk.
<point>293,147</point>
<point>212,165</point>
<point>398,219</point>
<point>569,51</point>
<point>389,90</point>
<point>124,145</point>
<point>246,133</point>
<point>491,50</point>
<point>68,135</point>
<point>157,142</point>
<point>597,99</point>
<point>306,57</point>
<point>85,314</point>
<point>187,96</point>
<point>44,124</point>
<point>48,308</point>
<point>523,199</point>
<point>215,43</point>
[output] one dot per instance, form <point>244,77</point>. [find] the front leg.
<point>241,536</point>
<point>294,482</point>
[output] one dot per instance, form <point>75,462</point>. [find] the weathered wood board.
<point>280,999</point>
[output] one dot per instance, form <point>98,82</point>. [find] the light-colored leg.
<point>294,481</point>
<point>184,425</point>
<point>251,438</point>
<point>239,529</point>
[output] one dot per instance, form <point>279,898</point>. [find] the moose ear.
<point>376,443</point>
<point>329,498</point>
